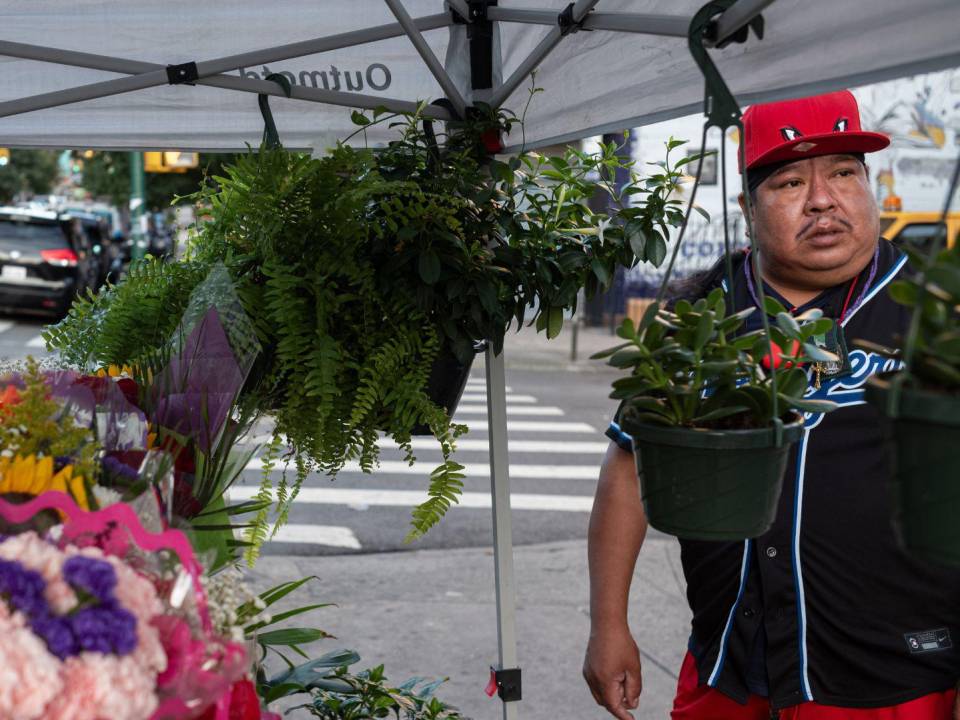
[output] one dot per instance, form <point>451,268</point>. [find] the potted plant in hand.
<point>921,402</point>
<point>711,427</point>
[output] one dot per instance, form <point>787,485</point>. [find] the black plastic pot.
<point>925,483</point>
<point>448,379</point>
<point>711,484</point>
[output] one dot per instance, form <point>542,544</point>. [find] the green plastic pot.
<point>711,484</point>
<point>925,483</point>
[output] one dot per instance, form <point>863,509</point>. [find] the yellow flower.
<point>31,475</point>
<point>114,371</point>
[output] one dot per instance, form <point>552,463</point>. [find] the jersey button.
<point>749,612</point>
<point>771,552</point>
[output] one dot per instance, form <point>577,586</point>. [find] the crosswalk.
<point>554,464</point>
<point>20,337</point>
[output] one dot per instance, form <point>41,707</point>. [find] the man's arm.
<point>617,529</point>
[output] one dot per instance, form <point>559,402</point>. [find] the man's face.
<point>816,221</point>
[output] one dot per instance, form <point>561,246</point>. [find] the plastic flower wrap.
<point>101,619</point>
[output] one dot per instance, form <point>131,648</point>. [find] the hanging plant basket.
<point>924,489</point>
<point>709,484</point>
<point>448,380</point>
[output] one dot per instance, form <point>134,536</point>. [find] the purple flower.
<point>105,629</point>
<point>56,633</point>
<point>22,587</point>
<point>96,577</point>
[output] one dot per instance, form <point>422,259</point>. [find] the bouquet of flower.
<point>101,619</point>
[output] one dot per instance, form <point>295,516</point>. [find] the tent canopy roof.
<point>594,80</point>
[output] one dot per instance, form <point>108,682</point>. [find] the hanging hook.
<point>271,138</point>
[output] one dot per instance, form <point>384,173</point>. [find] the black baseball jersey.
<point>826,606</point>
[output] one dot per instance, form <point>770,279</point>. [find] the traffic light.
<point>4,157</point>
<point>167,162</point>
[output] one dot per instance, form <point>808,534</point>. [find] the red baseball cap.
<point>797,129</point>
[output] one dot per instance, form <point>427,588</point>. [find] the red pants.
<point>705,703</point>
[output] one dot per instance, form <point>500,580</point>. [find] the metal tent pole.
<point>544,48</point>
<point>667,25</point>
<point>146,75</point>
<point>502,525</point>
<point>436,68</point>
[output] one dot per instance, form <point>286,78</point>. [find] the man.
<point>824,617</point>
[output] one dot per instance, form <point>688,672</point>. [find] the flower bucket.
<point>711,484</point>
<point>925,482</point>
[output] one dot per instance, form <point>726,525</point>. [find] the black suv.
<point>45,260</point>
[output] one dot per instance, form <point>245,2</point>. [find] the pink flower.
<point>99,686</point>
<point>29,674</point>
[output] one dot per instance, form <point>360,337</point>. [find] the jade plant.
<point>690,367</point>
<point>935,364</point>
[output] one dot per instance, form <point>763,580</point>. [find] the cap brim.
<point>827,144</point>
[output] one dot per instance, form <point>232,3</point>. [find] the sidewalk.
<point>530,350</point>
<point>433,613</point>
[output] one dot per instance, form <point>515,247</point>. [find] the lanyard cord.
<point>847,308</point>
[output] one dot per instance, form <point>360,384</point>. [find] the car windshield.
<point>31,233</point>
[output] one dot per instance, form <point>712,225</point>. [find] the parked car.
<point>45,260</point>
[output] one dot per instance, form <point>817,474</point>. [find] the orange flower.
<point>10,396</point>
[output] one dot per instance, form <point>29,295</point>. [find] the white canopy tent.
<point>94,74</point>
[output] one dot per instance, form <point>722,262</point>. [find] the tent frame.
<point>575,17</point>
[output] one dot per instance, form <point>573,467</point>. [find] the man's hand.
<point>612,670</point>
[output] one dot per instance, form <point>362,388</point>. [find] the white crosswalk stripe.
<point>6,325</point>
<point>517,446</point>
<point>329,535</point>
<point>519,399</point>
<point>37,342</point>
<point>475,470</point>
<point>544,410</point>
<point>411,498</point>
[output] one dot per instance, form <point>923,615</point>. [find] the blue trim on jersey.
<point>797,572</point>
<point>622,437</point>
<point>890,274</point>
<point>725,639</point>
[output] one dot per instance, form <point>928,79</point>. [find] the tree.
<point>107,175</point>
<point>32,172</point>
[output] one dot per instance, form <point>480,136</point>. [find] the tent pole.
<point>544,48</point>
<point>229,82</point>
<point>147,75</point>
<point>434,65</point>
<point>461,8</point>
<point>666,25</point>
<point>502,525</point>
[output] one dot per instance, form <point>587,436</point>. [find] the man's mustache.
<point>809,226</point>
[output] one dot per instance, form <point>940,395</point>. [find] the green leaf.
<point>656,248</point>
<point>704,330</point>
<point>429,267</point>
<point>554,322</point>
<point>359,118</point>
<point>720,413</point>
<point>703,213</point>
<point>274,619</point>
<point>810,406</point>
<point>649,315</point>
<point>815,352</point>
<point>636,237</point>
<point>773,306</point>
<point>788,324</point>
<point>903,292</point>
<point>600,270</point>
<point>291,636</point>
